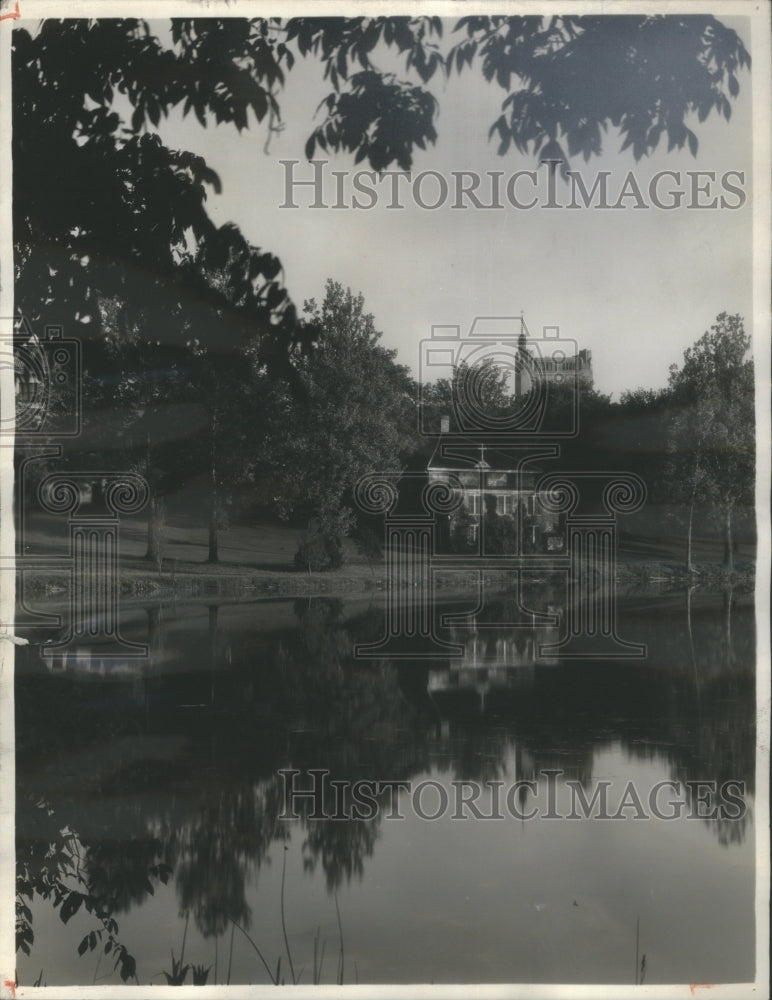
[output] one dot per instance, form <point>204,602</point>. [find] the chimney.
<point>444,425</point>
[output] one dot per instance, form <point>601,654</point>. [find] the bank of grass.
<point>257,561</point>
<point>676,575</point>
<point>177,580</point>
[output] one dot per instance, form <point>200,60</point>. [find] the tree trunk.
<point>155,517</point>
<point>213,617</point>
<point>154,634</point>
<point>214,548</point>
<point>155,525</point>
<point>728,592</point>
<point>690,530</point>
<point>689,562</point>
<point>689,591</point>
<point>728,547</point>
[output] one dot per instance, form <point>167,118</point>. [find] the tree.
<point>499,530</point>
<point>96,195</point>
<point>712,425</point>
<point>357,416</point>
<point>223,379</point>
<point>472,391</point>
<point>565,80</point>
<point>105,212</point>
<point>178,406</point>
<point>112,239</point>
<point>138,407</point>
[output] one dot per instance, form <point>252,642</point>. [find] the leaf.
<point>83,946</point>
<point>70,906</point>
<point>128,965</point>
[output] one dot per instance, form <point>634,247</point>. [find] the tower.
<point>523,365</point>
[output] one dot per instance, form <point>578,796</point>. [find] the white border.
<point>761,84</point>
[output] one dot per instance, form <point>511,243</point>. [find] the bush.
<point>319,551</point>
<point>460,532</point>
<point>368,544</point>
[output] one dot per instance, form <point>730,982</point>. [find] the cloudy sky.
<point>636,286</point>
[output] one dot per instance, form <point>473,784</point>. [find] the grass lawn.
<point>257,559</point>
<point>254,559</point>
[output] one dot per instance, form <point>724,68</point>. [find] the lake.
<point>498,816</point>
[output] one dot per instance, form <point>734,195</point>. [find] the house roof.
<point>467,457</point>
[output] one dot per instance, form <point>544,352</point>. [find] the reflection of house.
<point>495,658</point>
<point>86,661</point>
<point>491,483</point>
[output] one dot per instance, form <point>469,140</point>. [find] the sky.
<point>635,286</point>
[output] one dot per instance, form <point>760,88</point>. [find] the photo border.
<point>759,15</point>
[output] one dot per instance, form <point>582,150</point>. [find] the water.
<point>174,761</point>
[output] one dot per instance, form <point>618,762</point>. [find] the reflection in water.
<point>176,764</point>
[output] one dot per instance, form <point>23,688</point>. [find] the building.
<point>491,482</point>
<point>573,370</point>
<point>550,364</point>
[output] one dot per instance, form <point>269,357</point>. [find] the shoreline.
<point>201,580</point>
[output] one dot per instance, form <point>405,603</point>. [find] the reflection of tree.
<point>356,721</point>
<point>297,698</point>
<point>340,847</point>
<point>214,849</point>
<point>692,704</point>
<point>117,868</point>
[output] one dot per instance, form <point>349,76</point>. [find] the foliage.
<point>692,442</point>
<point>200,974</point>
<point>565,79</point>
<point>114,213</point>
<point>711,427</point>
<point>356,416</point>
<point>368,543</point>
<point>461,526</point>
<point>113,240</point>
<point>471,390</point>
<point>179,972</point>
<point>500,530</point>
<point>102,206</point>
<point>55,866</point>
<point>319,550</point>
